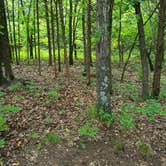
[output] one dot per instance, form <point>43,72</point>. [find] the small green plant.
<point>126,116</point>
<point>52,138</point>
<point>53,94</point>
<point>33,135</point>
<point>2,143</point>
<point>151,109</point>
<point>48,120</point>
<point>88,130</point>
<point>145,150</point>
<point>118,146</point>
<point>1,94</point>
<point>14,87</point>
<point>3,124</point>
<point>61,112</point>
<point>17,98</point>
<point>11,108</point>
<point>93,112</point>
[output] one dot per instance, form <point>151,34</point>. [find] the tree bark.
<point>48,31</point>
<point>103,66</point>
<point>143,51</point>
<point>159,49</point>
<point>88,50</point>
<point>4,47</point>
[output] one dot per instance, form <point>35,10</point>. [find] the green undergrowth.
<point>4,111</point>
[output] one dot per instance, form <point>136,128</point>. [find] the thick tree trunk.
<point>103,67</point>
<point>159,49</point>
<point>143,51</point>
<point>5,59</point>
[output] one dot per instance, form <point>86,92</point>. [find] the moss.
<point>118,146</point>
<point>145,150</point>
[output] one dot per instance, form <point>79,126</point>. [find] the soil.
<point>113,146</point>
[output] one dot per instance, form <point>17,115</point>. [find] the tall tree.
<point>63,34</point>
<point>143,50</point>
<point>159,49</point>
<point>71,34</point>
<point>5,59</point>
<point>88,50</point>
<point>48,30</point>
<point>103,67</point>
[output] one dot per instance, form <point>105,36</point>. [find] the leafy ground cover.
<point>54,121</point>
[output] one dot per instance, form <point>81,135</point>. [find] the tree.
<point>159,49</point>
<point>5,57</point>
<point>143,50</point>
<point>103,68</point>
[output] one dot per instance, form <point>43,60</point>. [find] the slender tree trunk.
<point>48,31</point>
<point>84,37</point>
<point>103,62</point>
<point>19,40</point>
<point>34,28</point>
<point>57,35</point>
<point>159,49</point>
<point>88,53</point>
<point>14,32</point>
<point>119,35</point>
<point>71,34</point>
<point>38,36</point>
<point>63,35</point>
<point>53,36</point>
<point>143,51</point>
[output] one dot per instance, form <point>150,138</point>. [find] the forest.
<point>82,83</point>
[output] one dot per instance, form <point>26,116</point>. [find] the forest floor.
<point>49,123</point>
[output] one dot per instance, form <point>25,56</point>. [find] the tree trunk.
<point>48,31</point>
<point>63,34</point>
<point>71,34</point>
<point>88,51</point>
<point>159,49</point>
<point>14,32</point>
<point>103,67</point>
<point>84,37</point>
<point>119,35</point>
<point>4,47</point>
<point>53,36</point>
<point>38,36</point>
<point>143,51</point>
<point>58,36</point>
